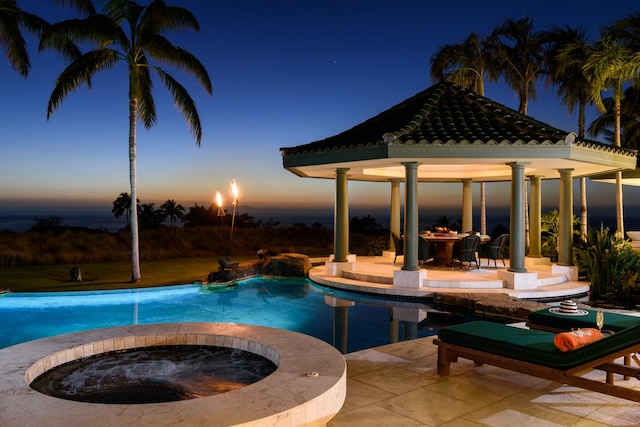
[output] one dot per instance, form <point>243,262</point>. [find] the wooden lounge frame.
<point>449,352</point>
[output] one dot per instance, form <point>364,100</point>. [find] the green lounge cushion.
<point>612,321</point>
<point>531,345</point>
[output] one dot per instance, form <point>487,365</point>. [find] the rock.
<point>291,264</point>
<point>496,306</point>
<point>285,265</point>
<point>76,274</point>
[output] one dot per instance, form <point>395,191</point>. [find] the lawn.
<point>108,275</point>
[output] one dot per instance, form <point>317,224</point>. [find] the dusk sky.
<point>284,73</point>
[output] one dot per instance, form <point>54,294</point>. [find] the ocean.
<point>97,218</point>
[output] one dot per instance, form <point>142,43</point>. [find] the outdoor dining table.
<point>443,243</point>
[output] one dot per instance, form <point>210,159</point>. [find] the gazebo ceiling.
<point>453,134</point>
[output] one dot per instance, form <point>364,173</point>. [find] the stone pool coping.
<point>287,397</point>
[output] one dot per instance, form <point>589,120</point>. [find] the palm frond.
<point>79,72</point>
<point>158,17</point>
<point>12,21</point>
<point>85,7</point>
<point>160,49</point>
<point>184,103</point>
<point>143,91</point>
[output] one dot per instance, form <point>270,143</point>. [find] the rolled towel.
<point>567,341</point>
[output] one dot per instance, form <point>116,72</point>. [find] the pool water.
<point>350,322</point>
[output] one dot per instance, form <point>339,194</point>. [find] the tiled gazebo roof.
<point>449,125</point>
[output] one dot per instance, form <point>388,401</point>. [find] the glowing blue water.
<point>292,304</point>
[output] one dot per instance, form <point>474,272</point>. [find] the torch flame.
<point>218,199</point>
<point>234,189</point>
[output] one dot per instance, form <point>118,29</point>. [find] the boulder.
<point>496,306</point>
<point>285,265</point>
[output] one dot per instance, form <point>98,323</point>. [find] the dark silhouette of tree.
<point>150,216</point>
<point>466,64</point>
<point>122,205</point>
<point>134,34</point>
<point>519,55</point>
<point>200,216</point>
<point>173,211</point>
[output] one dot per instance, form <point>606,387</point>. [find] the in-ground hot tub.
<point>154,374</point>
<point>308,386</point>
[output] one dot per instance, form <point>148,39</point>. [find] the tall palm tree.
<point>567,51</point>
<point>13,20</point>
<point>134,34</point>
<point>172,210</point>
<point>520,56</point>
<point>466,64</point>
<point>610,67</point>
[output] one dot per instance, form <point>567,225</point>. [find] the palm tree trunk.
<point>483,209</point>
<point>583,208</point>
<point>619,209</point>
<point>135,251</point>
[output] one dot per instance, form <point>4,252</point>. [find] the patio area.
<point>374,275</point>
<point>397,385</point>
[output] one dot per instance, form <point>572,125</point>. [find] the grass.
<point>109,275</point>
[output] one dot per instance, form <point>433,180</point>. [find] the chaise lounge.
<point>533,352</point>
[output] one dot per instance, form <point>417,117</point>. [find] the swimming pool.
<point>350,322</point>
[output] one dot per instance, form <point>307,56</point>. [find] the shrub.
<point>611,266</point>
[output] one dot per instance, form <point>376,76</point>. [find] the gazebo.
<point>449,134</point>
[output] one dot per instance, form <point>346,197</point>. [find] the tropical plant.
<point>549,233</point>
<point>135,35</point>
<point>519,55</point>
<point>604,125</point>
<point>567,51</point>
<point>609,67</point>
<point>611,265</point>
<point>13,20</point>
<point>172,210</point>
<point>466,64</point>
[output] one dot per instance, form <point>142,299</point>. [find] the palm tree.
<point>609,67</point>
<point>629,120</point>
<point>172,210</point>
<point>466,64</point>
<point>519,54</point>
<point>567,52</point>
<point>133,34</point>
<point>13,20</point>
<point>122,205</point>
<point>150,216</point>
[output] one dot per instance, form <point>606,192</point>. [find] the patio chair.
<point>426,250</point>
<point>465,250</point>
<point>494,250</point>
<point>399,245</point>
<point>533,352</point>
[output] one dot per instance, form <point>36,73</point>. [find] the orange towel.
<point>567,341</point>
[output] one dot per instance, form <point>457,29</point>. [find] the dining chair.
<point>399,245</point>
<point>494,249</point>
<point>426,250</point>
<point>465,250</point>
